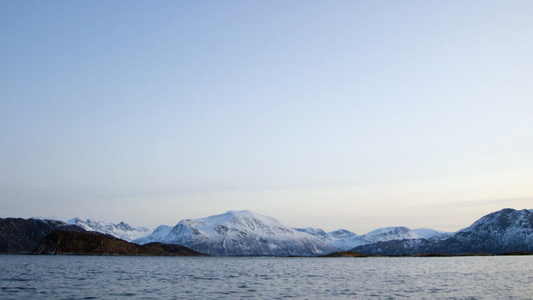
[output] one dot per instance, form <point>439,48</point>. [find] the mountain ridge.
<point>64,242</point>
<point>346,240</point>
<point>18,235</point>
<point>504,231</point>
<point>237,233</point>
<point>248,233</point>
<point>121,230</point>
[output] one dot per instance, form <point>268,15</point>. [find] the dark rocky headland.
<point>94,243</point>
<point>19,236</point>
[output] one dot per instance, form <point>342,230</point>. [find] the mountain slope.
<point>342,239</point>
<point>346,240</point>
<point>121,230</point>
<point>159,234</point>
<point>427,233</point>
<point>507,230</point>
<point>95,243</point>
<point>503,231</point>
<point>316,232</point>
<point>242,233</point>
<point>19,235</point>
<point>386,234</point>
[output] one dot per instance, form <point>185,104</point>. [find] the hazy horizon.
<point>354,115</point>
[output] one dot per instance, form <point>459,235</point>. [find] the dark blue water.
<point>105,277</point>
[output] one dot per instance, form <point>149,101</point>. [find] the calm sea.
<point>92,277</point>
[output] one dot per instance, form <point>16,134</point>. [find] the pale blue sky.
<point>333,114</point>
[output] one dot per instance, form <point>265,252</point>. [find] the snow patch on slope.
<point>432,234</point>
<point>346,240</point>
<point>316,232</point>
<point>120,230</point>
<point>157,235</point>
<point>505,228</point>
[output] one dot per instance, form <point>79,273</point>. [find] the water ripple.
<point>80,277</point>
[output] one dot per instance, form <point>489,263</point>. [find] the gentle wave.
<point>89,277</point>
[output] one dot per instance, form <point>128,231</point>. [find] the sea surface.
<point>113,277</point>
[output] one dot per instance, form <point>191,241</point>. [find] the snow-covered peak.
<point>502,221</point>
<point>347,240</point>
<point>239,220</point>
<point>342,233</point>
<point>120,230</point>
<point>124,226</point>
<point>312,230</point>
<point>392,231</point>
<point>237,217</point>
<point>242,233</point>
<point>74,221</point>
<point>342,239</point>
<point>157,235</point>
<point>317,232</point>
<point>506,230</point>
<point>241,213</point>
<point>427,233</point>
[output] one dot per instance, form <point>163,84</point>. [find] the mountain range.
<point>503,231</point>
<point>237,233</point>
<point>41,236</point>
<point>240,233</point>
<point>346,240</point>
<point>248,233</point>
<point>121,230</point>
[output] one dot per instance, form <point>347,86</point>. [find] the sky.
<point>328,114</point>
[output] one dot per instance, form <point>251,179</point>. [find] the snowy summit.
<point>241,233</point>
<point>121,230</point>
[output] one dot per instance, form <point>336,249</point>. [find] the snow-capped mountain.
<point>388,234</point>
<point>342,239</point>
<point>158,235</point>
<point>316,232</point>
<point>507,230</point>
<point>339,239</point>
<point>432,234</point>
<point>425,232</point>
<point>378,235</point>
<point>120,230</point>
<point>345,240</point>
<point>241,233</point>
<point>247,233</point>
<point>341,234</point>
